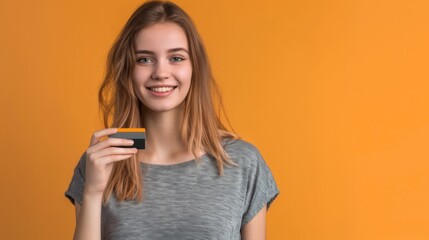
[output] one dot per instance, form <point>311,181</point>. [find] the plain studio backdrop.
<point>335,94</point>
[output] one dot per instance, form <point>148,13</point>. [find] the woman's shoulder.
<point>239,144</point>
<point>242,151</point>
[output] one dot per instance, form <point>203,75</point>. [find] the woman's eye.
<point>144,60</point>
<point>177,59</point>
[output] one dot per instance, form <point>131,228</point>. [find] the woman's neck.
<point>164,144</point>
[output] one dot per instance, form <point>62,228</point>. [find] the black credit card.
<point>138,135</point>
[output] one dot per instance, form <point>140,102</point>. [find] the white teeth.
<point>162,89</point>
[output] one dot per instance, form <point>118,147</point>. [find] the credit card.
<point>138,135</point>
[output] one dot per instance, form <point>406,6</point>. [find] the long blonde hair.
<point>202,128</point>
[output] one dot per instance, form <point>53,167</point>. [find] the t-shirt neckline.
<point>175,165</point>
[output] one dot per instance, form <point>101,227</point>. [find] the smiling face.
<point>163,70</point>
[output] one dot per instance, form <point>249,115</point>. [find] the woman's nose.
<point>161,71</point>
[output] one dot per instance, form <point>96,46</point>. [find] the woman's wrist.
<point>92,196</point>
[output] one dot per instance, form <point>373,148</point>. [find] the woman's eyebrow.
<point>169,51</point>
<point>177,50</point>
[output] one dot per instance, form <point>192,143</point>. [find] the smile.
<point>161,89</point>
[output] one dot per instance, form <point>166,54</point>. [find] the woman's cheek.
<point>138,83</point>
<point>185,74</point>
<point>139,76</point>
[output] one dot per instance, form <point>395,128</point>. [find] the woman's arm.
<point>100,157</point>
<point>88,218</point>
<point>255,229</point>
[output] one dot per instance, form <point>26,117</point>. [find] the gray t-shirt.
<point>189,200</point>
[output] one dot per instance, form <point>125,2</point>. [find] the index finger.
<point>101,133</point>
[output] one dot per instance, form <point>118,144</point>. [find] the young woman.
<point>194,179</point>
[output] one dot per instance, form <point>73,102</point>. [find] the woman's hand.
<point>100,157</point>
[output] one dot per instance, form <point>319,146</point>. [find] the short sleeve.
<point>77,184</point>
<point>261,188</point>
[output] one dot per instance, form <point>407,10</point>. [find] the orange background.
<point>333,93</point>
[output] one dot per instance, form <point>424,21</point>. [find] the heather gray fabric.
<point>189,200</point>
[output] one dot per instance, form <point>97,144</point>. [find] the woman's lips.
<point>161,91</point>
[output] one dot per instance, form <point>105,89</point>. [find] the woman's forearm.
<point>88,225</point>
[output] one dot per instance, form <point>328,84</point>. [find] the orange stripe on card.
<point>131,130</point>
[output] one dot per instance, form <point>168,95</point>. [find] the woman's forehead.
<point>161,37</point>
